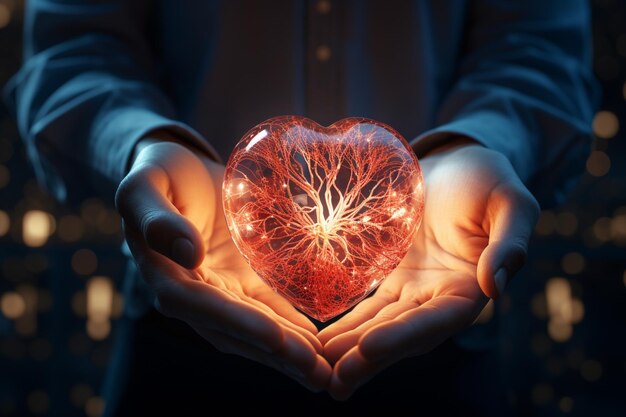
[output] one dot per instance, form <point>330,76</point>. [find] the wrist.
<point>451,145</point>
<point>161,146</point>
<point>156,136</point>
<point>164,136</point>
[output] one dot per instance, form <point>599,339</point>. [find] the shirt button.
<point>323,6</point>
<point>322,53</point>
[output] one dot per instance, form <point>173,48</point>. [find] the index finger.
<point>419,330</point>
<point>412,333</point>
<point>194,301</point>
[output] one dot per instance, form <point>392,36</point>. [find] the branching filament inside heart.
<point>323,216</point>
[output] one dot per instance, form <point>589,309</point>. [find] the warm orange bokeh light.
<point>323,215</point>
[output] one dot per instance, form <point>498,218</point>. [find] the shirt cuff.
<point>490,130</point>
<point>120,131</point>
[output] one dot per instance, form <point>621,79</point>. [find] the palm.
<point>171,192</point>
<point>434,292</point>
<point>225,268</point>
<point>440,268</point>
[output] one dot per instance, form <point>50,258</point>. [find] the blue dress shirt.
<point>99,75</point>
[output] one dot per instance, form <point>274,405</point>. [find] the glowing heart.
<point>323,215</point>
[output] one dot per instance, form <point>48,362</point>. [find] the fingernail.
<point>183,252</point>
<point>501,280</point>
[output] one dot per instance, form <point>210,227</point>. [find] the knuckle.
<point>518,252</point>
<point>530,203</point>
<point>149,222</point>
<point>125,189</point>
<point>524,199</point>
<point>121,194</point>
<point>519,246</point>
<point>155,222</point>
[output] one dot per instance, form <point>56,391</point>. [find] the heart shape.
<point>323,215</point>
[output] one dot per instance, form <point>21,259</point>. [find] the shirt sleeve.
<point>524,88</point>
<point>86,93</point>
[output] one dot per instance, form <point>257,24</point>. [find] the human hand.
<point>478,218</point>
<point>171,207</point>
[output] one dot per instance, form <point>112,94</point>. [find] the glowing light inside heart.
<point>323,215</point>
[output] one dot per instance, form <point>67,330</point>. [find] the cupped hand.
<point>171,207</point>
<point>478,218</point>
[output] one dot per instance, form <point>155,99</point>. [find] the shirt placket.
<point>324,100</point>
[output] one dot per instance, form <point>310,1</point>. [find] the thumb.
<point>511,214</point>
<point>142,203</point>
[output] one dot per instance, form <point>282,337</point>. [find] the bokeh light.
<point>70,228</point>
<point>12,305</point>
<point>99,307</point>
<point>598,164</point>
<point>546,223</point>
<point>591,370</point>
<point>5,15</point>
<point>94,407</point>
<point>38,402</point>
<point>605,124</point>
<point>561,321</point>
<point>5,223</point>
<point>573,263</point>
<point>566,404</point>
<point>566,223</point>
<point>80,393</point>
<point>37,226</point>
<point>84,262</point>
<point>564,310</point>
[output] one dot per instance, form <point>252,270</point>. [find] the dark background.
<point>563,322</point>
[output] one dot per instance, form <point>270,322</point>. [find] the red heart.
<point>323,215</point>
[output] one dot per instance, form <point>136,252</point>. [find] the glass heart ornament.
<point>323,214</point>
